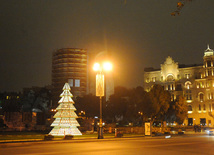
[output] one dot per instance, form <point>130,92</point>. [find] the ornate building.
<point>194,82</point>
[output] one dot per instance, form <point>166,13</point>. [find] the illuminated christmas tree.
<point>65,122</point>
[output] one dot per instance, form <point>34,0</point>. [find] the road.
<point>193,145</point>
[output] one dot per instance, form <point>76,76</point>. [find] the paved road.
<point>194,145</point>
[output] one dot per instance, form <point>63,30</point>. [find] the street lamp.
<point>106,66</point>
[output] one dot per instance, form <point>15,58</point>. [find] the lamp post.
<point>107,66</point>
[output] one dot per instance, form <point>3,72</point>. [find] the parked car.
<point>210,132</point>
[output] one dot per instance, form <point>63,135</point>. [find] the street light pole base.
<point>100,133</point>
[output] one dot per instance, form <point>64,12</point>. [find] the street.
<point>192,145</point>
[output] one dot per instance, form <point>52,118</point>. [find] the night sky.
<point>138,34</point>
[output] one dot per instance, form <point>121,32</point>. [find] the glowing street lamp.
<point>106,66</point>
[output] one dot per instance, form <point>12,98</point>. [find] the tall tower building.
<point>208,62</point>
<point>69,65</point>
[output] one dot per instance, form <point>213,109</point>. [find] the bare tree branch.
<point>180,5</point>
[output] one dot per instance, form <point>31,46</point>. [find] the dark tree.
<point>117,105</point>
<point>158,103</point>
<point>180,110</point>
<point>177,111</point>
<point>89,104</point>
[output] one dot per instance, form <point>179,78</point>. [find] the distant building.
<point>25,111</point>
<point>9,101</point>
<point>194,82</point>
<point>69,65</point>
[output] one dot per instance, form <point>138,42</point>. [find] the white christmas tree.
<point>65,122</point>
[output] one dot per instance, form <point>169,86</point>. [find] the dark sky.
<point>138,34</point>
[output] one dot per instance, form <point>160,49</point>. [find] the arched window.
<point>204,107</point>
<point>201,97</point>
<point>188,85</point>
<point>170,78</point>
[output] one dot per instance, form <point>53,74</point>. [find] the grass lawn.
<point>40,135</point>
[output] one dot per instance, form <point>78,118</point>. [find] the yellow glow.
<point>107,66</point>
<point>189,112</point>
<point>96,67</point>
<point>189,101</point>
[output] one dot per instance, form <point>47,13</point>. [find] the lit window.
<point>187,76</point>
<point>198,85</point>
<point>153,79</point>
<point>188,84</point>
<point>77,83</point>
<point>202,85</point>
<point>208,83</point>
<point>201,97</point>
<point>70,81</point>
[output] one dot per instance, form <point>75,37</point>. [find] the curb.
<point>86,139</point>
<point>18,143</point>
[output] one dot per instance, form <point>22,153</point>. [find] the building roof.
<point>190,65</point>
<point>151,69</point>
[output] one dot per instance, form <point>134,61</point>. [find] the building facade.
<point>194,82</point>
<point>69,65</point>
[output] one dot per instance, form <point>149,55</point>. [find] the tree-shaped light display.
<point>65,122</point>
